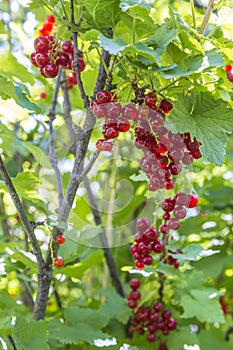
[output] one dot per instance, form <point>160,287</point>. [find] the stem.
<point>11,340</point>
<point>53,159</point>
<point>104,241</point>
<point>193,14</point>
<point>3,216</point>
<point>207,16</point>
<point>26,292</point>
<point>22,215</point>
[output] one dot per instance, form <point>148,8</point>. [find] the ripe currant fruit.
<point>60,239</point>
<point>58,261</point>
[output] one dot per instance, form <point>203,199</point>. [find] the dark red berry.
<point>165,105</point>
<point>41,44</point>
<point>134,283</point>
<point>58,261</point>
<point>103,96</point>
<point>67,47</point>
<point>60,239</point>
<point>151,100</point>
<point>143,224</point>
<point>192,200</point>
<point>50,70</point>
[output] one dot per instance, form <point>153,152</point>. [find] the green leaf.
<point>23,101</point>
<point>25,259</point>
<point>77,270</point>
<point>206,118</point>
<point>38,154</point>
<point>127,4</point>
<point>7,89</point>
<point>202,304</point>
<point>73,334</point>
<point>189,42</point>
<point>101,14</point>
<point>141,176</point>
<point>225,19</point>
<point>191,252</point>
<point>183,335</point>
<point>215,339</point>
<point>30,335</point>
<point>113,46</point>
<point>115,306</point>
<point>162,37</point>
<point>146,51</point>
<point>26,184</point>
<point>12,68</point>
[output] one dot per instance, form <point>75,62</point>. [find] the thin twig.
<point>104,241</point>
<point>52,153</point>
<point>89,165</point>
<point>11,340</point>
<point>76,68</point>
<point>3,216</point>
<point>22,215</point>
<point>207,16</point>
<point>26,291</point>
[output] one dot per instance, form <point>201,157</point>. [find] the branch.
<point>53,159</point>
<point>26,292</point>
<point>89,166</point>
<point>207,16</point>
<point>4,222</point>
<point>104,242</point>
<point>11,340</point>
<point>67,115</point>
<point>22,215</point>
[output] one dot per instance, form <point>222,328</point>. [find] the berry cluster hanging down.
<point>47,26</point>
<point>152,322</point>
<point>49,57</point>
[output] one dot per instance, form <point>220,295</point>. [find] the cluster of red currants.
<point>47,26</point>
<point>106,106</point>
<point>164,151</point>
<point>229,72</point>
<point>134,295</point>
<point>146,239</point>
<point>151,320</point>
<point>146,242</point>
<point>49,57</point>
<point>59,261</point>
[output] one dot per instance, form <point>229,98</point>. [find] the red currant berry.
<point>158,247</point>
<point>173,224</point>
<point>103,96</point>
<point>123,125</point>
<point>164,229</point>
<point>41,59</point>
<point>158,307</point>
<point>132,304</point>
<point>135,295</point>
<point>179,212</point>
<point>134,283</point>
<point>33,59</point>
<point>171,323</point>
<point>192,200</point>
<point>82,65</point>
<point>165,105</point>
<point>43,95</point>
<point>151,337</point>
<point>67,47</point>
<point>51,19</point>
<point>50,70</point>
<point>60,239</point>
<point>151,100</point>
<point>129,112</point>
<point>139,265</point>
<point>110,133</point>
<point>41,44</point>
<point>58,261</point>
<point>63,59</point>
<point>142,224</point>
